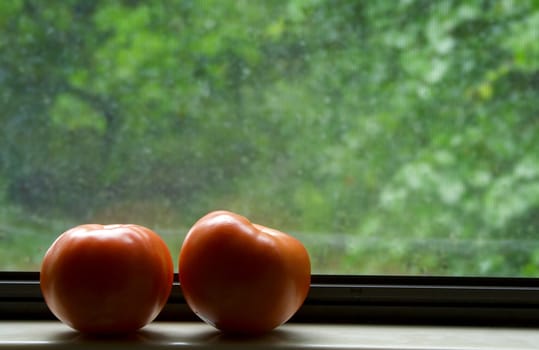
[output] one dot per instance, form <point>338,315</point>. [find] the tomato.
<point>107,278</point>
<point>242,277</point>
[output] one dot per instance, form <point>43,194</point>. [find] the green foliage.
<point>391,136</point>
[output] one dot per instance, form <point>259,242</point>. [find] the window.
<point>397,139</point>
<point>392,137</point>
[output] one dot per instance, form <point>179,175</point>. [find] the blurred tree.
<point>393,136</point>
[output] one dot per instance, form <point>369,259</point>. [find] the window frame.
<point>487,301</point>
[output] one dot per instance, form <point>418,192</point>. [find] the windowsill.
<point>185,335</point>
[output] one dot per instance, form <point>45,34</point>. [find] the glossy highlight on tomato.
<point>106,279</point>
<point>242,277</point>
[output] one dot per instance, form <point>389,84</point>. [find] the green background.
<point>391,137</point>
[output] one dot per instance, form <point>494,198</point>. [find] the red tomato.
<point>107,279</point>
<point>242,277</point>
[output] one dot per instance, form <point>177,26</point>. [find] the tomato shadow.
<point>279,336</point>
<point>140,336</point>
<point>192,337</point>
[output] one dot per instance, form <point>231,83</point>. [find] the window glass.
<point>391,137</point>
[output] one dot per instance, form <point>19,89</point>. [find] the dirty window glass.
<point>391,137</point>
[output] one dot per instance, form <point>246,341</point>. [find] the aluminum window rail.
<point>349,299</point>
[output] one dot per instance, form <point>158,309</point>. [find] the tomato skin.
<point>107,279</point>
<point>242,277</point>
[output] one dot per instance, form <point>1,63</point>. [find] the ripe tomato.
<point>242,277</point>
<point>107,278</point>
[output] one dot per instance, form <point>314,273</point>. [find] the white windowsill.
<point>51,334</point>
